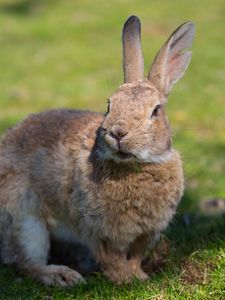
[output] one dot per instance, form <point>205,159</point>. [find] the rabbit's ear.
<point>172,59</point>
<point>133,63</point>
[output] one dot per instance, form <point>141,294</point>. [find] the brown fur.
<point>110,182</point>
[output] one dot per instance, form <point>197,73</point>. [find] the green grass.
<point>67,53</point>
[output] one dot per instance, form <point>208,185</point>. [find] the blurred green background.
<point>64,53</point>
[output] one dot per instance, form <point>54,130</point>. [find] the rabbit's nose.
<point>117,132</point>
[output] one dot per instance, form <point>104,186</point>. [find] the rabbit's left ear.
<point>133,62</point>
<point>172,59</point>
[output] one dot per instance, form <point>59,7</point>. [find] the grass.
<point>66,53</point>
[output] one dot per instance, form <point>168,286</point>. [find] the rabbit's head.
<point>135,127</point>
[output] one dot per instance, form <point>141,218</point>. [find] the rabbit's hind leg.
<point>27,246</point>
<point>24,232</point>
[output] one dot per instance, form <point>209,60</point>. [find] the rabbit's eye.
<point>156,111</point>
<point>108,107</point>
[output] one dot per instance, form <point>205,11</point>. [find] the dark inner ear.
<point>133,63</point>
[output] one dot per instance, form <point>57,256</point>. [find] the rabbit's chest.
<point>121,204</point>
<point>139,205</point>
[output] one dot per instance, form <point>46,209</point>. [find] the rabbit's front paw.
<point>59,275</point>
<point>141,275</point>
<point>136,270</point>
<point>125,276</point>
<point>119,277</point>
<point>122,277</point>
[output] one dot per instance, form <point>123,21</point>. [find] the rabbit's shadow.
<point>189,235</point>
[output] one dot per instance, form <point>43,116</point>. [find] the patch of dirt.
<point>212,206</point>
<point>194,272</point>
<point>156,262</point>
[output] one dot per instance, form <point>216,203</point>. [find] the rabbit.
<point>110,181</point>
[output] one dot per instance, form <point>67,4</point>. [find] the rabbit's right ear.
<point>172,59</point>
<point>133,62</point>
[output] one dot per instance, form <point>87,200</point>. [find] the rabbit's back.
<point>47,129</point>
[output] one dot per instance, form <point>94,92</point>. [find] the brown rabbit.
<point>110,181</point>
